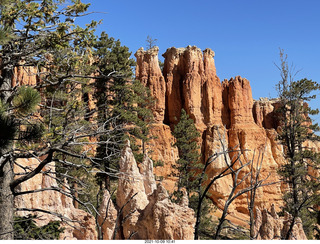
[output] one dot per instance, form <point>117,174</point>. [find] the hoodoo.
<point>223,112</point>
<point>190,82</point>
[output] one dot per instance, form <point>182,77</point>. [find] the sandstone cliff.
<point>269,226</point>
<point>217,108</point>
<point>143,209</point>
<point>78,224</point>
<point>224,109</point>
<point>148,211</point>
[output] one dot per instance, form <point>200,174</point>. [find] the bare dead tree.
<point>121,219</point>
<point>235,168</point>
<point>255,182</point>
<point>236,183</point>
<point>99,225</point>
<point>150,42</point>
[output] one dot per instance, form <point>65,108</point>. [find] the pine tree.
<point>119,96</point>
<point>295,131</point>
<point>26,229</point>
<point>150,42</point>
<point>43,35</point>
<point>189,171</point>
<point>187,165</point>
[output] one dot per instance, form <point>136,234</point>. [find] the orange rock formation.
<point>269,226</point>
<point>225,108</point>
<point>148,212</point>
<point>78,224</point>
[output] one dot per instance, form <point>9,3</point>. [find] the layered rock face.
<point>269,226</point>
<point>25,76</point>
<point>148,212</point>
<point>145,210</point>
<point>78,224</point>
<point>192,84</point>
<point>150,74</point>
<point>221,111</point>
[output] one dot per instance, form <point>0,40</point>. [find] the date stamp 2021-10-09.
<point>159,241</point>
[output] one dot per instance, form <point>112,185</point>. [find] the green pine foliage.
<point>9,128</point>
<point>207,225</point>
<point>123,101</point>
<point>25,228</point>
<point>188,171</point>
<point>187,165</point>
<point>26,100</point>
<point>18,125</point>
<point>297,129</point>
<point>5,33</point>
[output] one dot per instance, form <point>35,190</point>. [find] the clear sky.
<point>245,34</point>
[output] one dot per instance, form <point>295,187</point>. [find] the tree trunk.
<point>293,182</point>
<point>6,202</point>
<point>221,221</point>
<point>5,85</point>
<point>197,225</point>
<point>252,233</point>
<point>6,169</point>
<point>76,195</point>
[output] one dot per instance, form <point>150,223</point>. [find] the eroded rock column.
<point>149,73</point>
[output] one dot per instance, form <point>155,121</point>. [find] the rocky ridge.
<point>142,206</point>
<point>219,109</point>
<point>269,226</point>
<point>226,108</point>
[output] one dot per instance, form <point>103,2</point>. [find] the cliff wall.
<point>224,110</point>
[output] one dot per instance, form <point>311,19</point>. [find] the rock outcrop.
<point>148,211</point>
<point>78,224</point>
<point>146,171</point>
<point>221,111</point>
<point>264,112</point>
<point>164,220</point>
<point>107,217</point>
<point>149,73</point>
<point>192,84</point>
<point>131,194</point>
<point>269,226</point>
<point>163,153</point>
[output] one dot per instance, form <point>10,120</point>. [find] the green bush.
<point>25,228</point>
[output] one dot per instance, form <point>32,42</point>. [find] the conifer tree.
<point>42,35</point>
<point>187,165</point>
<point>296,131</point>
<point>119,96</point>
<point>150,42</point>
<point>189,171</point>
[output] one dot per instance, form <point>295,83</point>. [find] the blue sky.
<point>245,34</point>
